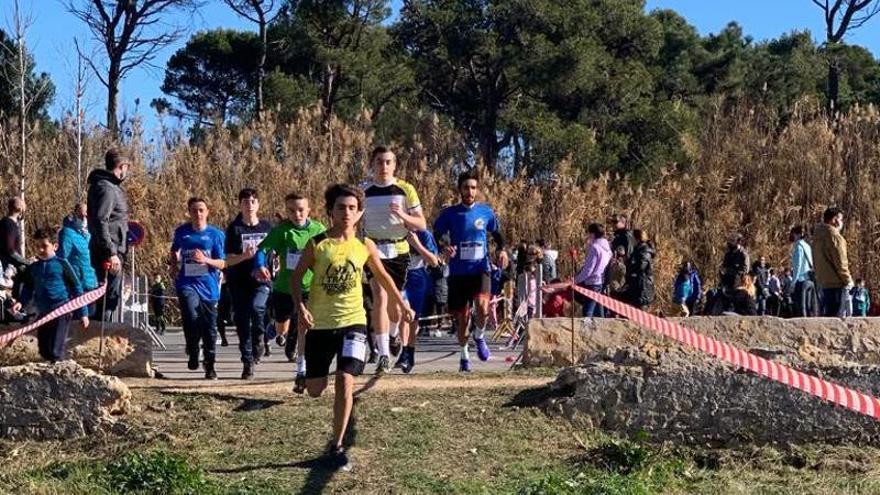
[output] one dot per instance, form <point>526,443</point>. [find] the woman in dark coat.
<point>640,272</point>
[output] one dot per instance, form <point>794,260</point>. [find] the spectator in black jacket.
<point>640,272</point>
<point>623,237</point>
<point>10,235</point>
<point>735,263</point>
<point>108,225</point>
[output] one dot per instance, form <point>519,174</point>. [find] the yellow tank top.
<point>337,299</point>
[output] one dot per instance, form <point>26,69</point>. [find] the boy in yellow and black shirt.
<point>335,315</point>
<point>391,210</point>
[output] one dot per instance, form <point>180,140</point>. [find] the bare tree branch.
<point>131,32</point>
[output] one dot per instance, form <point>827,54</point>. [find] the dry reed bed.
<point>749,174</point>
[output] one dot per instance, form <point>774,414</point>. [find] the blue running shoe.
<point>482,349</point>
<point>464,366</point>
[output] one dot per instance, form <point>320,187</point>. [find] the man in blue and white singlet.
<point>467,227</point>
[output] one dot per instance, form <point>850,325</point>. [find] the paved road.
<point>433,354</point>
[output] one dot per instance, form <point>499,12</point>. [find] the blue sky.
<point>54,30</point>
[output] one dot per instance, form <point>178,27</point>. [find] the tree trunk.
<point>833,86</point>
<point>261,70</point>
<point>327,91</point>
<point>112,100</point>
<point>488,149</point>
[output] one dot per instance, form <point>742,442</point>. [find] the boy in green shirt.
<point>287,240</point>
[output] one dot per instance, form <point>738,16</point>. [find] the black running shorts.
<point>397,268</point>
<point>463,289</point>
<point>348,345</point>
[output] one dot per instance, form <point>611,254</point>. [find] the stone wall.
<point>821,341</point>
<point>698,400</point>
<point>127,351</point>
<point>40,401</point>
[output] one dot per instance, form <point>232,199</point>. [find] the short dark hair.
<point>640,235</point>
<point>467,175</point>
<point>831,213</point>
<point>617,218</point>
<point>858,281</point>
<point>596,229</point>
<point>797,230</point>
<point>248,193</point>
<point>337,191</point>
<point>378,150</point>
<point>46,233</point>
<point>12,205</point>
<point>113,158</point>
<point>293,197</point>
<point>193,200</point>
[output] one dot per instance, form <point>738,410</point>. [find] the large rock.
<point>127,351</point>
<point>694,399</point>
<point>821,341</point>
<point>40,401</point>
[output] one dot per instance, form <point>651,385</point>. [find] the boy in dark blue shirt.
<point>197,255</point>
<point>50,282</point>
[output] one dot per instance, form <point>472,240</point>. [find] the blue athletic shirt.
<point>416,262</point>
<point>203,279</point>
<point>467,228</point>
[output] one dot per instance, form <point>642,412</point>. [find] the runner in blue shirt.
<point>466,226</point>
<point>197,257</point>
<point>418,282</point>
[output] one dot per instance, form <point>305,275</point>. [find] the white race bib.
<point>194,270</point>
<point>190,267</point>
<point>472,251</point>
<point>293,259</point>
<point>355,346</point>
<point>251,240</point>
<point>387,251</point>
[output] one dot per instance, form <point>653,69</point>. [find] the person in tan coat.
<point>832,266</point>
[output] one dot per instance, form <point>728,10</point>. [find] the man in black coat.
<point>108,225</point>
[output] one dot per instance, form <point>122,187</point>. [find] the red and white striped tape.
<point>831,392</point>
<point>68,307</point>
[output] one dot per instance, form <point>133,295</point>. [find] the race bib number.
<point>355,346</point>
<point>387,251</point>
<point>293,259</point>
<point>251,241</point>
<point>472,251</point>
<point>194,270</point>
<point>190,267</point>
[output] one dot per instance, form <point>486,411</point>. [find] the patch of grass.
<point>155,473</point>
<point>405,440</point>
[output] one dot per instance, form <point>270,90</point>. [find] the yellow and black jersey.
<point>337,299</point>
<point>385,229</point>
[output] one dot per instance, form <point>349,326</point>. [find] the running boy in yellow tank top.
<point>335,314</point>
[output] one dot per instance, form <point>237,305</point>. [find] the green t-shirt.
<point>287,241</point>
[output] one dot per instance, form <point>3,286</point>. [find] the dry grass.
<point>749,174</point>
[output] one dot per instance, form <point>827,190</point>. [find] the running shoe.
<point>193,363</point>
<point>382,366</point>
<point>299,383</point>
<point>464,366</point>
<point>210,374</point>
<point>279,339</point>
<point>248,372</point>
<point>338,458</point>
<point>395,345</point>
<point>482,349</point>
<point>410,363</point>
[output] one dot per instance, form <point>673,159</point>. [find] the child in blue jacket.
<point>50,282</point>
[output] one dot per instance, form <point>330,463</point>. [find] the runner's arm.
<point>305,264</point>
<point>413,220</point>
<point>430,258</point>
<point>374,263</point>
